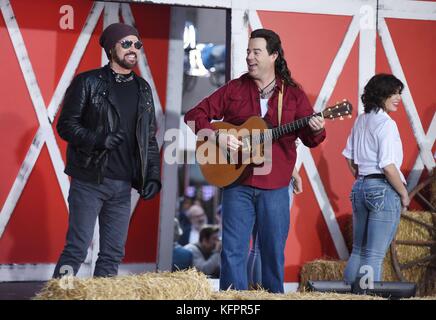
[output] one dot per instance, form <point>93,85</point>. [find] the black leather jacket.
<point>89,113</point>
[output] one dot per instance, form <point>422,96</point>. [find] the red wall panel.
<point>36,230</point>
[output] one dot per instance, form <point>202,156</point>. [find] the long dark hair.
<point>273,44</point>
<point>378,89</point>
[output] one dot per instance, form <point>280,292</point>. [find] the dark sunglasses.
<point>126,44</point>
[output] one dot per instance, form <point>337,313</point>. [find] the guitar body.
<point>222,171</point>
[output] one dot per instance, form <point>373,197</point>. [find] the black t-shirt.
<point>121,159</point>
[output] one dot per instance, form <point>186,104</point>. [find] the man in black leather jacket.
<point>109,123</point>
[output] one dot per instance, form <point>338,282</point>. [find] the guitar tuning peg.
<point>344,100</point>
<point>350,116</point>
<point>341,118</point>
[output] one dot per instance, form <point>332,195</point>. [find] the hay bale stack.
<point>420,274</point>
<point>181,285</point>
<point>188,284</point>
<point>321,270</point>
<point>263,295</point>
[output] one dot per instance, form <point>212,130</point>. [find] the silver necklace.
<point>263,93</point>
<point>122,77</point>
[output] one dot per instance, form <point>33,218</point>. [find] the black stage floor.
<point>20,290</point>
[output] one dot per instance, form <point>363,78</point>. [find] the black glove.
<point>151,188</point>
<point>111,141</point>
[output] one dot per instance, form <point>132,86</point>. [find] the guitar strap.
<point>280,104</point>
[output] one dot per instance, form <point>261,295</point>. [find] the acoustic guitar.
<point>222,167</point>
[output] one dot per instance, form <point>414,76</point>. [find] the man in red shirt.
<point>261,198</point>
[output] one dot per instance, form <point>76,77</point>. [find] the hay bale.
<point>188,284</point>
<point>321,270</point>
<point>180,285</point>
<point>409,230</point>
<point>263,295</point>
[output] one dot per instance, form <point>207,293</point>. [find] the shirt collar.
<point>384,113</point>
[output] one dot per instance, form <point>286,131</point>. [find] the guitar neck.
<point>275,133</point>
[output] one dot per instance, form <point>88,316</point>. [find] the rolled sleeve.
<point>210,108</point>
<point>348,151</point>
<point>306,134</point>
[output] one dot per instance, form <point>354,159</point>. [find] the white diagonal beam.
<point>21,179</point>
<point>418,167</point>
<point>338,62</point>
<point>324,203</point>
<point>409,104</point>
<point>74,60</point>
<point>338,65</point>
<point>144,68</point>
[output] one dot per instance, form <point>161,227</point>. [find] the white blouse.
<point>374,143</point>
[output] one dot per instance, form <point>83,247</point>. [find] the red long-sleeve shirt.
<point>238,100</point>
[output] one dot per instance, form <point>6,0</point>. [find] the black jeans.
<point>110,202</point>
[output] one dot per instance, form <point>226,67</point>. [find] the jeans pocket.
<point>375,198</point>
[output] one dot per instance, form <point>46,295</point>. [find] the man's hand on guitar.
<point>317,124</point>
<point>229,141</point>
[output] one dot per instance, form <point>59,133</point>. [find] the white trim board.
<point>401,9</point>
<point>219,4</point>
<point>44,271</point>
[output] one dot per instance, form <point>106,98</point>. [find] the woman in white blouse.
<point>374,155</point>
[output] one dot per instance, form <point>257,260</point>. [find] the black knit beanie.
<point>115,32</point>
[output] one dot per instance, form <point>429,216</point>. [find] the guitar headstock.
<point>339,110</point>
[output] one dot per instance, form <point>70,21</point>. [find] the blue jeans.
<point>110,202</point>
<point>254,266</point>
<point>376,214</point>
<point>241,207</point>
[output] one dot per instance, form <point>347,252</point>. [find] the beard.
<point>124,62</point>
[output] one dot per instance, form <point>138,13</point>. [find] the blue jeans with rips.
<point>110,201</point>
<point>376,214</point>
<point>241,207</point>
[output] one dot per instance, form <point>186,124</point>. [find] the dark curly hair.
<point>273,44</point>
<point>378,89</point>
